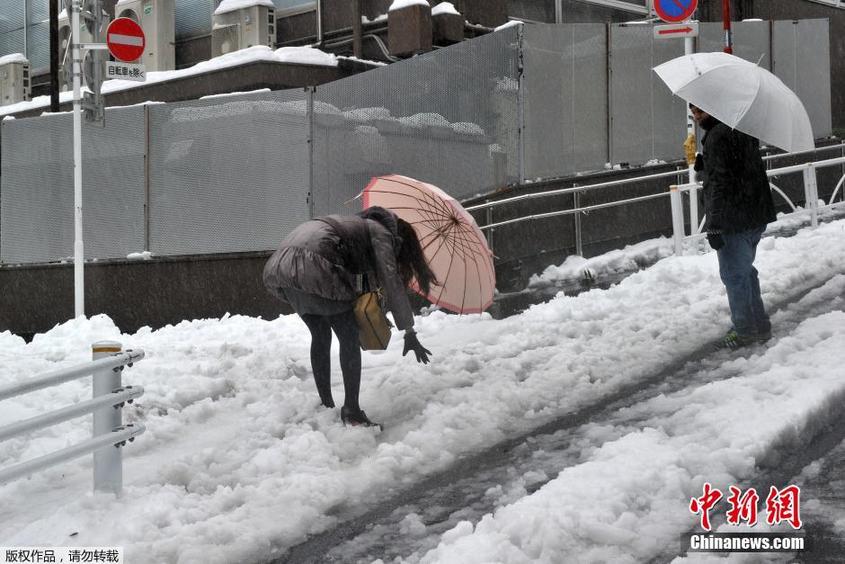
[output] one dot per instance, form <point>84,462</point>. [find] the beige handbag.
<point>373,326</point>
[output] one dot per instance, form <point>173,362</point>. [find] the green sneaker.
<point>733,340</point>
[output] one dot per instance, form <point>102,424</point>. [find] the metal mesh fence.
<point>577,119</point>
<point>37,211</point>
<point>801,59</point>
<point>236,173</point>
<point>565,84</point>
<point>448,117</point>
<point>228,174</point>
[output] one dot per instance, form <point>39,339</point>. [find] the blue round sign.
<point>673,11</point>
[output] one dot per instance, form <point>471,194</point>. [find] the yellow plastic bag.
<point>373,326</point>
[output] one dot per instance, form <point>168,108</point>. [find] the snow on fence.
<point>109,433</point>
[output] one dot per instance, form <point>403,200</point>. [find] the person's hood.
<point>709,123</point>
<point>388,219</point>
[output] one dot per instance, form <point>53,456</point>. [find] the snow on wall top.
<point>299,55</point>
<point>399,4</point>
<point>444,8</point>
<point>227,6</point>
<point>13,58</point>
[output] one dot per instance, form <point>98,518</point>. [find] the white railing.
<point>109,433</point>
<point>811,199</point>
<point>577,191</point>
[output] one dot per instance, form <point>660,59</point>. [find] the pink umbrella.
<point>454,246</point>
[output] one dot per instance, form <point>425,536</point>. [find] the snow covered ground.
<point>240,462</point>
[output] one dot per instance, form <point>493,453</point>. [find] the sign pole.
<point>78,246</point>
<point>726,23</point>
<point>689,49</point>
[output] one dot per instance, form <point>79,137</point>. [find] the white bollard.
<point>108,461</point>
<point>811,194</point>
<point>678,232</point>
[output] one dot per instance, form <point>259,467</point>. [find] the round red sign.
<point>673,11</point>
<point>125,39</point>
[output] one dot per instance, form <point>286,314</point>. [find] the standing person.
<point>320,269</point>
<point>738,203</point>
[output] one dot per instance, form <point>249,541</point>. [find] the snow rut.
<point>410,524</point>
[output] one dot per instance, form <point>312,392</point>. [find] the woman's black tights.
<point>346,329</point>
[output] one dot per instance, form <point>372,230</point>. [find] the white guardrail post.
<point>678,233</point>
<point>811,194</point>
<point>108,461</point>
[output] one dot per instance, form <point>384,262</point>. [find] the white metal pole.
<point>689,49</point>
<point>108,461</point>
<point>78,248</point>
<point>677,207</point>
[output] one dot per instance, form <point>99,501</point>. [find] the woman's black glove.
<point>715,240</point>
<point>699,162</point>
<point>413,344</point>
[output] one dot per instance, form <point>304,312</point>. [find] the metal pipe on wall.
<point>54,56</point>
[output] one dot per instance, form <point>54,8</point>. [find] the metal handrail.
<point>57,377</point>
<point>118,397</point>
<point>811,197</point>
<point>621,182</point>
<point>109,396</point>
<point>115,438</point>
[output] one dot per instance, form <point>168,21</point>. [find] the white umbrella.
<point>741,95</point>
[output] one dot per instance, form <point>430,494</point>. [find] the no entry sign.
<point>673,11</point>
<point>125,39</point>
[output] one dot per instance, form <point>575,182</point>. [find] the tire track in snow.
<point>412,521</point>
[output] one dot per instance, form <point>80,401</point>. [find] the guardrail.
<point>811,199</point>
<point>109,433</point>
<point>577,191</point>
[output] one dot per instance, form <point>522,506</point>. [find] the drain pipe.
<point>357,40</point>
<point>319,23</point>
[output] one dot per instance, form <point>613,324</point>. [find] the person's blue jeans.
<point>736,268</point>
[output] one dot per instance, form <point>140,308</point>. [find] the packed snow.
<point>227,6</point>
<point>13,58</point>
<point>445,8</point>
<point>400,4</point>
<point>240,461</point>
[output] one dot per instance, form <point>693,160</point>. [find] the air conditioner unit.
<point>15,85</point>
<point>238,26</point>
<point>65,55</point>
<point>158,20</point>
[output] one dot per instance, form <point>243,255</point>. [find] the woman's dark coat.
<point>329,258</point>
<point>737,196</point>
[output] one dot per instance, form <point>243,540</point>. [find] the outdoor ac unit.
<point>243,27</point>
<point>158,20</point>
<point>15,85</point>
<point>65,55</point>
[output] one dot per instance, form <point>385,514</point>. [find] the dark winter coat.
<point>330,258</point>
<point>737,196</point>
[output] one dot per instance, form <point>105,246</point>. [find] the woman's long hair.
<point>411,260</point>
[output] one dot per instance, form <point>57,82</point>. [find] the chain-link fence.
<point>236,173</point>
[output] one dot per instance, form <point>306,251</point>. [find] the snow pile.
<point>400,4</point>
<point>628,497</point>
<point>297,55</point>
<point>239,461</point>
<point>13,58</point>
<point>227,6</point>
<point>445,8</point>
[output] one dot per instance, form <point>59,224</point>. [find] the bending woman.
<point>320,269</point>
